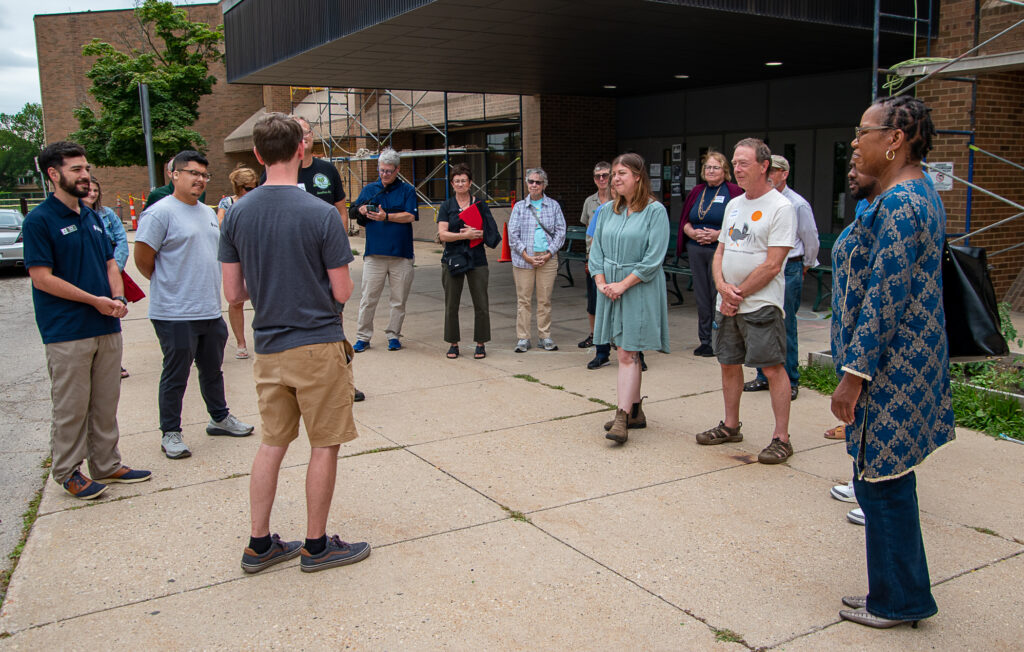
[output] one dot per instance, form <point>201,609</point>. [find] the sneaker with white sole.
<point>547,344</point>
<point>844,492</point>
<point>229,426</point>
<point>855,516</point>
<point>174,446</point>
<point>522,346</point>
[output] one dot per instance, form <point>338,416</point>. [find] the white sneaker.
<point>844,492</point>
<point>522,346</point>
<point>855,516</point>
<point>229,426</point>
<point>548,344</point>
<point>173,446</point>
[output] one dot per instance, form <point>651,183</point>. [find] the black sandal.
<point>453,351</point>
<point>480,352</point>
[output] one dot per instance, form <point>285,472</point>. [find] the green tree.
<point>21,138</point>
<point>173,59</point>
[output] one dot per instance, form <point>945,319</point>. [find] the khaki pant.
<point>543,278</point>
<point>399,272</point>
<point>85,386</point>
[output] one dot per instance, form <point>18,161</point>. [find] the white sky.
<point>19,73</point>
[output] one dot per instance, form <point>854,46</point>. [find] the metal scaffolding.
<point>353,126</point>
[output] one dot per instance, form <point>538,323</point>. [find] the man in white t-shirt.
<point>176,249</point>
<point>757,234</point>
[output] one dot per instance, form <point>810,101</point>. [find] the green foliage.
<point>174,62</point>
<point>973,408</point>
<point>21,138</point>
<point>1009,330</point>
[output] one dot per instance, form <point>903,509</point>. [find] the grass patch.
<point>382,449</point>
<point>820,379</point>
<point>438,251</point>
<point>603,402</point>
<point>527,377</point>
<point>727,636</point>
<point>355,252</point>
<point>972,407</point>
<point>28,519</point>
<point>516,515</point>
<point>985,530</point>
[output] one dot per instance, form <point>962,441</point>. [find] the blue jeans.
<point>794,290</point>
<point>898,584</point>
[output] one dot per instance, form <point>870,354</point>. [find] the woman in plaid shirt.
<point>536,231</point>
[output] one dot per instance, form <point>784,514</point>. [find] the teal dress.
<point>638,320</point>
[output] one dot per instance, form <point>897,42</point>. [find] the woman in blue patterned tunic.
<point>889,346</point>
<point>625,260</point>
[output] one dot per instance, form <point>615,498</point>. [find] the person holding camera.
<point>386,208</point>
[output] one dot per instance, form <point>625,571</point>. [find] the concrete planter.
<point>824,359</point>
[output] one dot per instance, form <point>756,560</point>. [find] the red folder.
<point>132,291</point>
<point>473,219</point>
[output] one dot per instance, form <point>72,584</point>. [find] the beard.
<point>74,189</point>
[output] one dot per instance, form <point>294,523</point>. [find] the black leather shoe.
<point>359,396</point>
<point>756,385</point>
<point>598,362</point>
<point>704,351</point>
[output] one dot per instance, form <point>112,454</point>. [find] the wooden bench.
<point>819,272</point>
<point>570,251</point>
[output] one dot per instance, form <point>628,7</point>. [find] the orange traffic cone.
<point>506,251</point>
<point>131,211</point>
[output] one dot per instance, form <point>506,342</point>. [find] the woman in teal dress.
<point>890,349</point>
<point>625,260</point>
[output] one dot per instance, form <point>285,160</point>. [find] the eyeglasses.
<point>603,175</point>
<point>306,133</point>
<point>860,131</point>
<point>206,176</point>
<point>712,168</point>
<point>385,173</point>
<point>534,182</point>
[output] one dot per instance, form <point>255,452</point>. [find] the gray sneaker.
<point>548,344</point>
<point>229,426</point>
<point>173,446</point>
<point>522,346</point>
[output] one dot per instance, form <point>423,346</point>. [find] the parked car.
<point>11,249</point>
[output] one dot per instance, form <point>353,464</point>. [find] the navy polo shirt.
<point>77,249</point>
<point>390,238</point>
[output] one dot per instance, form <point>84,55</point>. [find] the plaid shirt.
<point>522,224</point>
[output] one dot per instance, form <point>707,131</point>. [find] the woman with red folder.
<point>464,225</point>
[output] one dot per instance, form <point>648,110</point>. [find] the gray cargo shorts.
<point>755,339</point>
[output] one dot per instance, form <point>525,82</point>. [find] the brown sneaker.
<point>619,431</point>
<point>776,452</point>
<point>635,420</point>
<point>719,435</point>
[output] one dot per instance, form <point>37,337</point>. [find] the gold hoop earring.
<point>890,155</point>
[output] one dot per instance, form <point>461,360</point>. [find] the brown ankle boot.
<point>635,418</point>
<point>618,431</point>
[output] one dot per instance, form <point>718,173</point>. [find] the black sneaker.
<point>598,362</point>
<point>704,351</point>
<point>587,343</point>
<point>279,551</point>
<point>337,553</point>
<point>359,396</point>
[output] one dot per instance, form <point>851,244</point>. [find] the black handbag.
<point>972,315</point>
<point>457,257</point>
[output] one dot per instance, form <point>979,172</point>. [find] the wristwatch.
<point>121,299</point>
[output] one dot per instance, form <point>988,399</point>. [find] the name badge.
<point>69,229</point>
<point>719,199</point>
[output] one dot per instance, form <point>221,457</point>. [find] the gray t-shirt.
<point>186,280</point>
<point>286,240</point>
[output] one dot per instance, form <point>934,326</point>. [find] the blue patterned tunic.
<point>888,327</point>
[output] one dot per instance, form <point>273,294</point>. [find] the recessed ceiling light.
<point>610,87</point>
<point>773,63</point>
<point>682,76</point>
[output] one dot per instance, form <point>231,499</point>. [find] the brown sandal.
<point>776,452</point>
<point>719,435</point>
<point>839,432</point>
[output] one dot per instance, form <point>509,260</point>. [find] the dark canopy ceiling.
<point>546,46</point>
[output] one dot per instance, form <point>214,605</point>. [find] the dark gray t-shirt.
<point>286,240</point>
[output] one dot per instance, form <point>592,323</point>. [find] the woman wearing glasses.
<point>699,225</point>
<point>890,350</point>
<point>536,231</point>
<point>243,180</point>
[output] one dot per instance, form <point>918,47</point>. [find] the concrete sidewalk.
<point>501,518</point>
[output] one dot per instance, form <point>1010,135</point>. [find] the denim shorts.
<point>754,339</point>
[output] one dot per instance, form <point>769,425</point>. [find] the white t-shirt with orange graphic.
<point>749,228</point>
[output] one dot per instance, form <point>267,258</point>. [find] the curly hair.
<point>913,117</point>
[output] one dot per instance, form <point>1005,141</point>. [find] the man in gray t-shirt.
<point>288,253</point>
<point>176,249</point>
